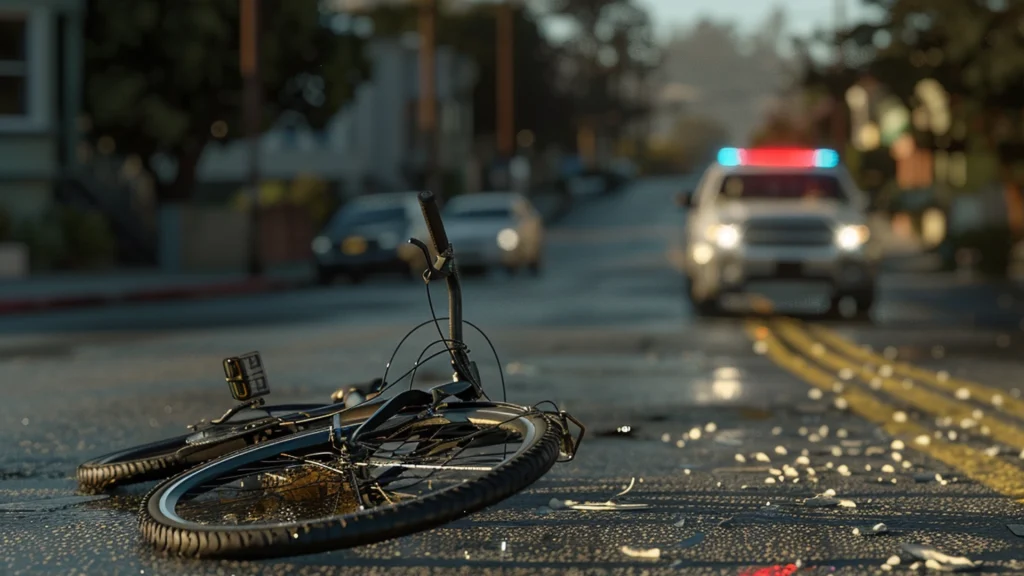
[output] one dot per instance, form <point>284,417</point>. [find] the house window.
<point>13,65</point>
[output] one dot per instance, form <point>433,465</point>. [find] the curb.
<point>202,292</point>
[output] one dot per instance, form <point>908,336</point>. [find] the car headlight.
<point>726,236</point>
<point>321,245</point>
<point>852,237</point>
<point>388,240</point>
<point>508,239</point>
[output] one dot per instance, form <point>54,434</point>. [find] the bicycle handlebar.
<point>435,227</point>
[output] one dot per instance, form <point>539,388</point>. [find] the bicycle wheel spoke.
<point>399,464</point>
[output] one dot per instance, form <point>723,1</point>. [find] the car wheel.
<point>863,301</point>
<point>706,306</point>
<point>535,267</point>
<point>324,277</point>
<point>356,277</point>
<point>512,270</point>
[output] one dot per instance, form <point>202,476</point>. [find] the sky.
<point>804,16</point>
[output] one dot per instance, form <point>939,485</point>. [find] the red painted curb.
<point>150,295</point>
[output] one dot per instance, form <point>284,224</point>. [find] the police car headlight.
<point>726,236</point>
<point>852,237</point>
<point>321,245</point>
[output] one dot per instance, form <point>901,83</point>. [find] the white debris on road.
<point>646,554</point>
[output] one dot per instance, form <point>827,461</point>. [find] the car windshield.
<point>480,212</point>
<point>355,215</point>
<point>780,187</point>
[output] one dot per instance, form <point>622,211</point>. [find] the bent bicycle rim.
<point>305,496</point>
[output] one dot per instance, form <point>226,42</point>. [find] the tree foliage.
<point>973,48</point>
<point>160,73</point>
<point>606,59</point>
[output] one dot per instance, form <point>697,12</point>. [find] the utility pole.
<point>253,105</point>
<point>428,92</point>
<point>505,38</point>
<point>839,136</point>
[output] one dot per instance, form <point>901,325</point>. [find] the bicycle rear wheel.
<point>165,458</point>
<point>300,494</point>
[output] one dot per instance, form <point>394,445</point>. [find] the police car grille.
<point>788,232</point>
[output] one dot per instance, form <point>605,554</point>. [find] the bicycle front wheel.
<point>301,494</point>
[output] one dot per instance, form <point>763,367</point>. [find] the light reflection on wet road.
<point>726,437</point>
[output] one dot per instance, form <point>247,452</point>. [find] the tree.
<point>972,49</point>
<point>606,60</point>
<point>161,73</point>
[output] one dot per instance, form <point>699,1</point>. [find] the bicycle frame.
<point>376,411</point>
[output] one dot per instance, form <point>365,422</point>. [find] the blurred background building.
<point>367,146</point>
<point>120,136</point>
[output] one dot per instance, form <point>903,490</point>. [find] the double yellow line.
<point>821,357</point>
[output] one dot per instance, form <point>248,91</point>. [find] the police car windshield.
<point>757,187</point>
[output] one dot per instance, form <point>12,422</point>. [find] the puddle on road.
<point>626,365</point>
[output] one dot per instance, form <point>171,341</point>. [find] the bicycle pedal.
<point>246,376</point>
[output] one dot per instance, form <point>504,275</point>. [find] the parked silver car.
<point>490,230</point>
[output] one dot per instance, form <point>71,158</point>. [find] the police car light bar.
<point>779,157</point>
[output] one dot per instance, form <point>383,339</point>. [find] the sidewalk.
<point>56,291</point>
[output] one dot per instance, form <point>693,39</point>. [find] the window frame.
<point>33,119</point>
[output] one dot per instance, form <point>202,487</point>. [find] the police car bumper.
<point>746,268</point>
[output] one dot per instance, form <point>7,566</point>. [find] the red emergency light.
<point>779,157</point>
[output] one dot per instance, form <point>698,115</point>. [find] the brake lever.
<point>441,268</point>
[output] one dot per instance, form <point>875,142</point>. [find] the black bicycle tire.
<point>153,461</point>
<point>157,460</point>
<point>360,528</point>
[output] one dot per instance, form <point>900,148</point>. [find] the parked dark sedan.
<point>363,237</point>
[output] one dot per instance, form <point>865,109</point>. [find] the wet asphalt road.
<point>734,422</point>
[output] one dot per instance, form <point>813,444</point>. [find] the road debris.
<point>646,554</point>
<point>607,505</point>
<point>624,431</point>
<point>821,501</point>
<point>692,540</point>
<point>935,560</point>
<point>871,530</point>
<point>1017,529</point>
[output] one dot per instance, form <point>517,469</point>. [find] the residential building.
<point>41,47</point>
<point>373,138</point>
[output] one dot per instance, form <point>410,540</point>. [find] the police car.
<point>778,221</point>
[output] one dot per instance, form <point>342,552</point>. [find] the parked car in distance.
<point>364,236</point>
<point>490,230</point>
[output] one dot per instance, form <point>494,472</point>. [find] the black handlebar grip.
<point>432,215</point>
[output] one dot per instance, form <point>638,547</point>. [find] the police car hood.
<point>739,212</point>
